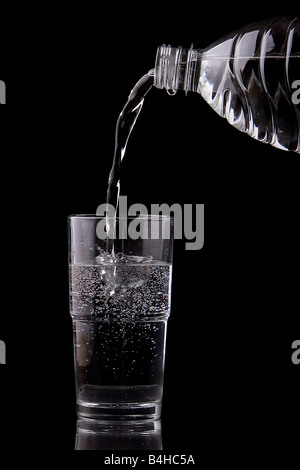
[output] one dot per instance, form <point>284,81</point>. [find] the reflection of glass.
<point>92,434</point>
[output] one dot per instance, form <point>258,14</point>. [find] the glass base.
<point>119,411</point>
<point>142,434</point>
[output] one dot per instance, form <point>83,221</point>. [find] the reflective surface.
<point>92,434</point>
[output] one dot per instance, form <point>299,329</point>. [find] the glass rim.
<point>122,217</point>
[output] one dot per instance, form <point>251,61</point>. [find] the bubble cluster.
<point>120,287</point>
<point>119,360</point>
<point>120,307</point>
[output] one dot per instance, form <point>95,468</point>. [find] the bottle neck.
<point>177,68</point>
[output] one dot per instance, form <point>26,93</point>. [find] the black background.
<point>230,385</point>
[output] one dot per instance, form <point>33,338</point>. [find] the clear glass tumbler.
<point>120,293</point>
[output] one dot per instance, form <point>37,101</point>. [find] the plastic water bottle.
<point>251,77</point>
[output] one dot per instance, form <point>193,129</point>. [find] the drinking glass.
<point>120,293</point>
